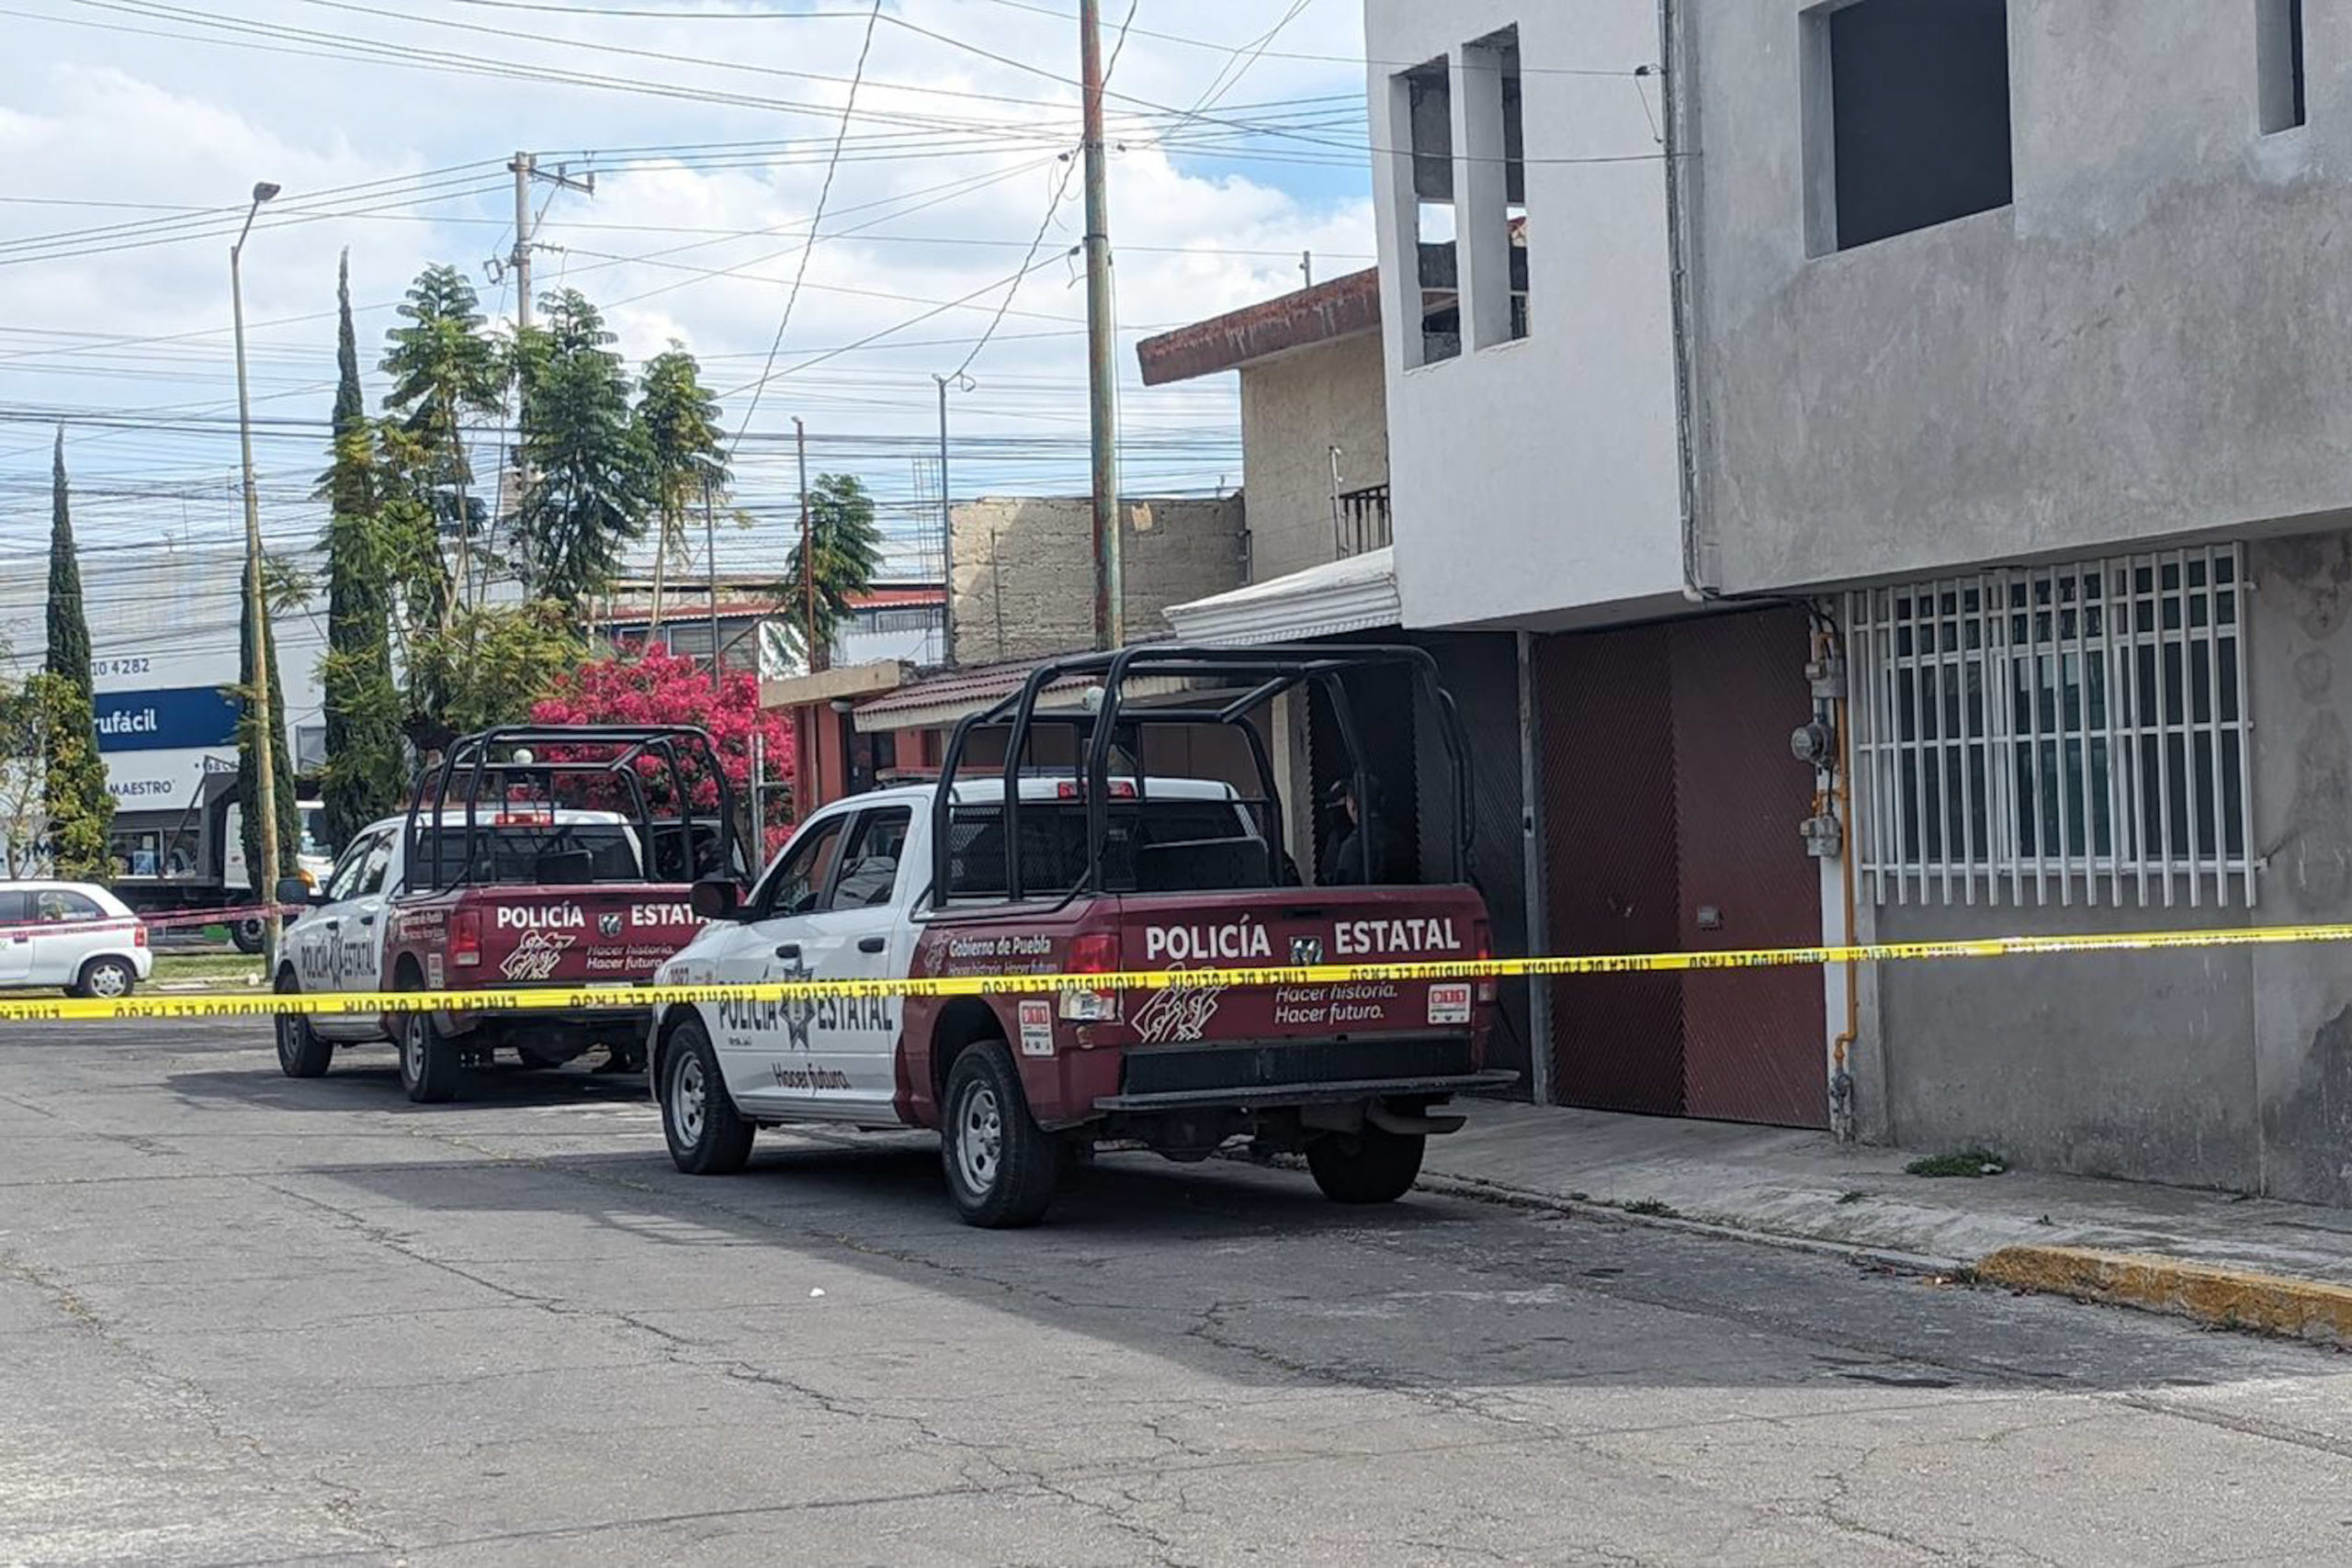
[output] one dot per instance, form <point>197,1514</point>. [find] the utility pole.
<point>815,659</point>
<point>264,876</point>
<point>962,383</point>
<point>1101,344</point>
<point>526,168</point>
<point>710,563</point>
<point>1307,266</point>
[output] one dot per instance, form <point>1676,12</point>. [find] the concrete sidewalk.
<point>2219,1258</point>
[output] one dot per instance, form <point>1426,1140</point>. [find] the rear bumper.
<point>1265,1097</point>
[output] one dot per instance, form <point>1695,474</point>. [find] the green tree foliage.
<point>257,662</point>
<point>444,371</point>
<point>492,664</point>
<point>586,497</point>
<point>844,551</point>
<point>365,765</point>
<point>76,804</point>
<point>684,454</point>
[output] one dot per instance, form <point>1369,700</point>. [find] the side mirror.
<point>716,898</point>
<point>294,890</point>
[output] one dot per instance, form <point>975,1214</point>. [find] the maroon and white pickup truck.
<point>559,858</point>
<point>1095,870</point>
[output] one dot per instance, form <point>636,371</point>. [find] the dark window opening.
<point>1917,111</point>
<point>2278,56</point>
<point>1505,45</point>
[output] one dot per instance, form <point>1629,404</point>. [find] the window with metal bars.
<point>2055,735</point>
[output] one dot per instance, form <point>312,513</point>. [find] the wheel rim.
<point>108,981</point>
<point>412,1050</point>
<point>979,1141</point>
<point>689,1098</point>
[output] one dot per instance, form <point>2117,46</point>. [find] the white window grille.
<point>2055,733</point>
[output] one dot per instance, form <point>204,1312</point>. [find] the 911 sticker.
<point>1449,1004</point>
<point>1037,1029</point>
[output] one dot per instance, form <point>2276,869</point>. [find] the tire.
<point>1366,1166</point>
<point>430,1070</point>
<point>106,978</point>
<point>247,936</point>
<point>1002,1168</point>
<point>300,1053</point>
<point>707,1136</point>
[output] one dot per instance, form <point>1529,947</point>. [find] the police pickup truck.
<point>522,885</point>
<point>1091,870</point>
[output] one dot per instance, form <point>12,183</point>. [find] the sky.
<point>131,131</point>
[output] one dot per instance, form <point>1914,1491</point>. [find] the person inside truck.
<point>1386,861</point>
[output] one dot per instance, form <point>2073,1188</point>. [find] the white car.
<point>73,935</point>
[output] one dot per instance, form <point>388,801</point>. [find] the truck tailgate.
<point>612,934</point>
<point>1297,927</point>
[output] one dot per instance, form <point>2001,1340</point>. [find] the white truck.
<point>1087,873</point>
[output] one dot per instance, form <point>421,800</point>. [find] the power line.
<point>816,222</point>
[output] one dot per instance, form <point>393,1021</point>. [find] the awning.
<point>1356,595</point>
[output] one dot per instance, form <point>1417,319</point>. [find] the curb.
<point>2311,1310</point>
<point>1860,1254</point>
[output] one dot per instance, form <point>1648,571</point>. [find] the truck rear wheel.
<point>247,936</point>
<point>300,1053</point>
<point>430,1070</point>
<point>1002,1167</point>
<point>707,1136</point>
<point>1367,1165</point>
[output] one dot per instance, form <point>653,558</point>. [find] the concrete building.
<point>1979,358</point>
<point>1023,570</point>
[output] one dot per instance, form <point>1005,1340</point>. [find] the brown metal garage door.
<point>1671,806</point>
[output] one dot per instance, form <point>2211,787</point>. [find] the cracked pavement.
<point>248,1320</point>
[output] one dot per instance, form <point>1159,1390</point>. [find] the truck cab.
<point>1095,868</point>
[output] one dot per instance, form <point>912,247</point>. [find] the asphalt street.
<point>245,1319</point>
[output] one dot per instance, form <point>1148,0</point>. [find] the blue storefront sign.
<point>181,718</point>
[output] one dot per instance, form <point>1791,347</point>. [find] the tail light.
<point>1096,952</point>
<point>1488,989</point>
<point>465,938</point>
<point>138,934</point>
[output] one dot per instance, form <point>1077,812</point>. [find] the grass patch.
<point>1960,1162</point>
<point>223,969</point>
<point>1653,1208</point>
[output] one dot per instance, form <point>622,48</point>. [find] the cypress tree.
<point>257,660</point>
<point>75,796</point>
<point>364,762</point>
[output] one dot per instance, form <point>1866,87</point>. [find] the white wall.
<point>1555,454</point>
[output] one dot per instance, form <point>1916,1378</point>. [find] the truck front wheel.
<point>300,1053</point>
<point>1367,1165</point>
<point>708,1135</point>
<point>429,1066</point>
<point>1001,1166</point>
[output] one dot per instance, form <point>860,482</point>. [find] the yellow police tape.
<point>597,998</point>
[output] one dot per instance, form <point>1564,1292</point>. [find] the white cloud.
<point>115,116</point>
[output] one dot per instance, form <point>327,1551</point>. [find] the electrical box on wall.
<point>1825,836</point>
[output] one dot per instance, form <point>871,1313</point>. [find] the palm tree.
<point>844,552</point>
<point>586,498</point>
<point>445,370</point>
<point>685,454</point>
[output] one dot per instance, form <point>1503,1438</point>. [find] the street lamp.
<point>264,876</point>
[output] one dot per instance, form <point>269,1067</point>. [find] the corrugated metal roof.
<point>946,698</point>
<point>1357,593</point>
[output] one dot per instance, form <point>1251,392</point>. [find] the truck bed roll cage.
<point>488,756</point>
<point>1263,674</point>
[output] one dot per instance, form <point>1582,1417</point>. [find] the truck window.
<point>345,882</point>
<point>870,870</point>
<point>1152,846</point>
<point>526,855</point>
<point>797,885</point>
